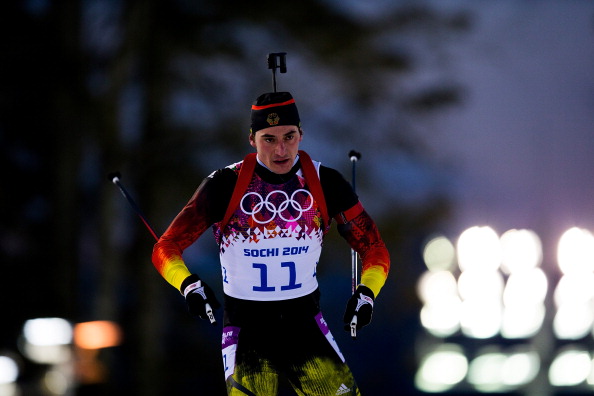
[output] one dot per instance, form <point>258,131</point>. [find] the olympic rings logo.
<point>265,205</point>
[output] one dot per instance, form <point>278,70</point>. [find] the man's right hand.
<point>200,298</point>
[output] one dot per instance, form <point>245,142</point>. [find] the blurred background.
<point>475,124</point>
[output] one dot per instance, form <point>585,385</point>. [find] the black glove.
<point>360,304</point>
<point>199,297</point>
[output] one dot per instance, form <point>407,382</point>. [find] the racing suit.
<point>269,252</point>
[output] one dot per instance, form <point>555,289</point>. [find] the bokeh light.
<point>481,318</point>
<point>479,247</point>
<point>526,287</point>
<point>496,287</point>
<point>479,284</point>
<point>574,289</point>
<point>576,251</point>
<point>48,331</point>
<point>494,370</point>
<point>573,321</point>
<point>47,340</point>
<point>9,370</point>
<point>97,334</point>
<point>441,369</point>
<point>570,367</point>
<point>442,317</point>
<point>520,250</point>
<point>434,286</point>
<point>439,254</point>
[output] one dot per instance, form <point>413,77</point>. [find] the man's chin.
<point>281,167</point>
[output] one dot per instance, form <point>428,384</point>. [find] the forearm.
<point>362,235</point>
<point>374,272</point>
<point>167,259</point>
<point>188,225</point>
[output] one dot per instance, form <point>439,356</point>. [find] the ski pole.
<point>114,177</point>
<point>354,156</point>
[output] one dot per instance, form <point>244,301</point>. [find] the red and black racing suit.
<point>269,249</point>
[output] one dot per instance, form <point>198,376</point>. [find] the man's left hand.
<point>360,304</point>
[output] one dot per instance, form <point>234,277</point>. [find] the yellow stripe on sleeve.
<point>175,271</point>
<point>374,278</point>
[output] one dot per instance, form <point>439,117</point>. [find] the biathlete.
<point>269,214</point>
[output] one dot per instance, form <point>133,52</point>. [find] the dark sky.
<point>522,143</point>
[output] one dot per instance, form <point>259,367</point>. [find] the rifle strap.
<point>245,176</point>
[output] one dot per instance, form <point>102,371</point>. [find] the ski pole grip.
<point>210,314</point>
<point>354,155</point>
<point>208,308</point>
<point>354,327</point>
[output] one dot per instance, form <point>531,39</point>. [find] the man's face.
<point>277,147</point>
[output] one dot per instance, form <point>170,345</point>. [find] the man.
<point>269,214</point>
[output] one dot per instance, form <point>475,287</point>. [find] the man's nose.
<point>281,148</point>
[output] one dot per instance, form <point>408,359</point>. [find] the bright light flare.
<point>481,318</point>
<point>496,371</point>
<point>440,314</point>
<point>521,250</point>
<point>442,317</point>
<point>485,372</point>
<point>47,331</point>
<point>522,320</point>
<point>434,286</point>
<point>441,369</point>
<point>9,370</point>
<point>97,334</point>
<point>47,340</point>
<point>569,368</point>
<point>573,321</point>
<point>523,298</point>
<point>478,284</point>
<point>439,254</point>
<point>521,368</point>
<point>575,252</point>
<point>481,313</point>
<point>574,289</point>
<point>526,287</point>
<point>479,247</point>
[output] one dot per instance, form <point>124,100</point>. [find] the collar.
<point>262,163</point>
<point>275,178</point>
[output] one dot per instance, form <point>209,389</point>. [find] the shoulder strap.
<point>243,181</point>
<point>313,181</point>
<point>245,176</point>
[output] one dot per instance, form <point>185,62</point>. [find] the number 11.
<point>264,277</point>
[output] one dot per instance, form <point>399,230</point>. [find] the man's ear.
<point>251,140</point>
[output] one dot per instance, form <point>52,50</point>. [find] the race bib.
<point>270,270</point>
<point>229,349</point>
<point>272,244</point>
